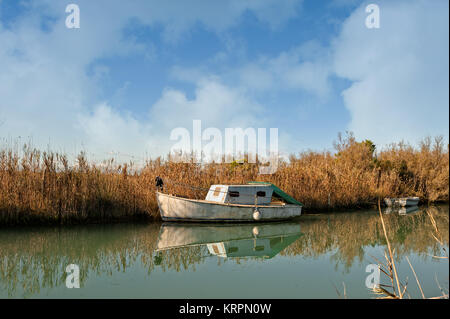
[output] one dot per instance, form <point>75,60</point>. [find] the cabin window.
<point>259,248</point>
<point>232,249</point>
<point>234,194</point>
<point>217,191</point>
<point>261,194</point>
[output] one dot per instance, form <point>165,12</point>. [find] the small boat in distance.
<point>255,201</point>
<point>405,201</point>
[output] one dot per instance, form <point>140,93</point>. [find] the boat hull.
<point>173,208</point>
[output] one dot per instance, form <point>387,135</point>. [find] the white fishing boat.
<point>405,201</point>
<point>231,203</point>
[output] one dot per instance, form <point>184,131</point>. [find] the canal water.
<point>317,256</point>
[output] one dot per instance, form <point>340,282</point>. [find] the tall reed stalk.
<point>393,275</point>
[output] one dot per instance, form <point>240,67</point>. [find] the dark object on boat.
<point>159,183</point>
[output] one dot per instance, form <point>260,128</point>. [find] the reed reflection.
<point>32,259</point>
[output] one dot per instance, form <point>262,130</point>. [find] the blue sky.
<point>136,70</point>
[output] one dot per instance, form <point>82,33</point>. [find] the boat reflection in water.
<point>228,241</point>
<point>409,210</point>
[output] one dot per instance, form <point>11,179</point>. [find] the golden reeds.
<point>40,186</point>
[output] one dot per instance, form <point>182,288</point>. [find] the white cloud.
<point>216,105</point>
<point>47,95</point>
<point>305,68</point>
<point>40,92</point>
<point>178,16</point>
<point>399,72</point>
<point>107,130</point>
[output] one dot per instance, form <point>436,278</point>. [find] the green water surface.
<point>316,256</point>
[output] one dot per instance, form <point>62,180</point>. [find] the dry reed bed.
<point>38,187</point>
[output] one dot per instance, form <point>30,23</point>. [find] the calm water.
<point>313,257</point>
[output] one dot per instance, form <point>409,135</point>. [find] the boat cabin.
<point>240,194</point>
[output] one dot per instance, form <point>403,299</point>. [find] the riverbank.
<point>43,187</point>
